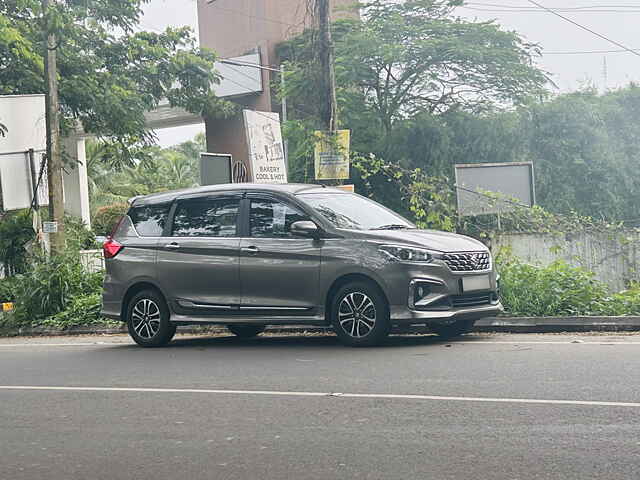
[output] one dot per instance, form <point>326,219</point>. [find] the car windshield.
<point>347,210</point>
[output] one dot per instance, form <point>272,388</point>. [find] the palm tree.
<point>169,169</point>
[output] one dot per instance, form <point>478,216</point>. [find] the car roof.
<point>288,188</point>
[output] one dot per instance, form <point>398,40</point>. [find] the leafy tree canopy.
<point>405,58</point>
<point>109,74</point>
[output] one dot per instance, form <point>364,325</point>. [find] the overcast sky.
<point>616,19</point>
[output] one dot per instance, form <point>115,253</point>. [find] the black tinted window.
<point>149,221</point>
<point>206,217</point>
<point>270,218</point>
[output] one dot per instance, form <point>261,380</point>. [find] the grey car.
<point>251,255</point>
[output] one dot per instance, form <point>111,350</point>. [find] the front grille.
<point>468,261</point>
<point>471,300</point>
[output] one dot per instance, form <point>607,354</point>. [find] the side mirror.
<point>305,228</point>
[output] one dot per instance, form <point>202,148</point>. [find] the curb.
<point>489,324</point>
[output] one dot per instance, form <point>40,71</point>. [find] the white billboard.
<point>266,150</point>
<point>24,118</point>
<point>484,188</point>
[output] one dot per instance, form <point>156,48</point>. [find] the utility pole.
<point>54,153</point>
<point>328,82</point>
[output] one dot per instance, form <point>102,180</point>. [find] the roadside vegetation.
<point>420,89</point>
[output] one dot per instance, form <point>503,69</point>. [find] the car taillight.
<point>111,248</point>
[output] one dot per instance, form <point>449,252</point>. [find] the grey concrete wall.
<point>613,256</point>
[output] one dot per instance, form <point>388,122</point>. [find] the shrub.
<point>82,310</point>
<point>78,236</point>
<point>7,289</point>
<point>559,290</point>
<point>16,231</point>
<point>51,285</point>
<point>106,218</point>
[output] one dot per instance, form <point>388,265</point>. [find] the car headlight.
<point>406,254</point>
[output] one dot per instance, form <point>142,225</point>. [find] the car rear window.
<point>149,220</point>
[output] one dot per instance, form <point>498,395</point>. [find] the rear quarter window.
<point>149,220</point>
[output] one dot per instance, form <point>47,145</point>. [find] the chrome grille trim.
<point>468,261</point>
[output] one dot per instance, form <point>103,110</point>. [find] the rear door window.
<point>149,220</point>
<point>206,217</point>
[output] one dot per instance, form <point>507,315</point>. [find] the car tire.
<point>246,331</point>
<point>454,329</point>
<point>359,314</point>
<point>148,319</point>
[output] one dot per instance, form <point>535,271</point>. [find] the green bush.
<point>51,285</point>
<point>81,311</point>
<point>16,231</point>
<point>78,236</point>
<point>7,289</point>
<point>560,290</point>
<point>105,218</point>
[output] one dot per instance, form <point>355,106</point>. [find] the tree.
<point>169,169</point>
<point>109,75</point>
<point>405,58</point>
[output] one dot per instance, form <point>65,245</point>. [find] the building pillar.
<point>76,181</point>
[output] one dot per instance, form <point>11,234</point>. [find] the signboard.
<point>215,168</point>
<point>50,227</point>
<point>484,188</point>
<point>24,117</point>
<point>266,150</point>
<point>332,155</point>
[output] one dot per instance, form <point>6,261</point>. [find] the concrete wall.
<point>613,256</point>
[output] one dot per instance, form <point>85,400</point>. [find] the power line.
<point>584,28</point>
<point>583,8</point>
<point>589,52</point>
<point>533,10</point>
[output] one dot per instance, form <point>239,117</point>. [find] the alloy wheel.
<point>357,314</point>
<point>146,318</point>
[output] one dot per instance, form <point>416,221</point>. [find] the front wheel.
<point>454,329</point>
<point>246,331</point>
<point>148,320</point>
<point>360,315</point>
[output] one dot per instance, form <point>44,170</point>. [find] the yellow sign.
<point>7,307</point>
<point>346,188</point>
<point>332,155</point>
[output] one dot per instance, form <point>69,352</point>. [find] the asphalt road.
<point>291,407</point>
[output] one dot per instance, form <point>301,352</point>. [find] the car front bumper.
<point>405,316</point>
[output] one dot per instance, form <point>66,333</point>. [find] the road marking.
<point>515,342</point>
<point>324,394</point>
<point>91,344</point>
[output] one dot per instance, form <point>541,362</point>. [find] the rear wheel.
<point>360,315</point>
<point>148,319</point>
<point>246,331</point>
<point>453,330</point>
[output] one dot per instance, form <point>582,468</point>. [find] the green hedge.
<point>560,290</point>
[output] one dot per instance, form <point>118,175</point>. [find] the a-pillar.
<point>76,181</point>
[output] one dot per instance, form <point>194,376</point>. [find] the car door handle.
<point>172,246</point>
<point>250,250</point>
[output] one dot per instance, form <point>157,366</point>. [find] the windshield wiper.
<point>392,226</point>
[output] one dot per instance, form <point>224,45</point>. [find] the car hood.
<point>431,239</point>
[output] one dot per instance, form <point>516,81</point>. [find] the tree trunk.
<point>54,154</point>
